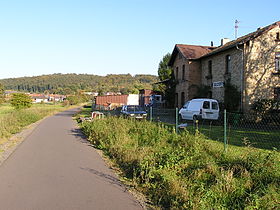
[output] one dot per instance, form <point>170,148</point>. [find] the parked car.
<point>202,108</point>
<point>133,111</point>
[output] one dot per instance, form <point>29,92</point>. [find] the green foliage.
<point>164,71</point>
<point>203,91</point>
<point>68,84</point>
<point>1,93</point>
<point>78,98</point>
<point>168,83</point>
<point>21,101</point>
<point>187,171</point>
<point>232,98</point>
<point>263,106</point>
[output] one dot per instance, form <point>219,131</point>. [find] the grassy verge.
<point>256,138</point>
<point>188,171</point>
<point>13,121</point>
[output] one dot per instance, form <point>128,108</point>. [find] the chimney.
<point>212,43</point>
<point>224,41</point>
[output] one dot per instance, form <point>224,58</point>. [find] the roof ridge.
<point>242,39</point>
<point>194,45</point>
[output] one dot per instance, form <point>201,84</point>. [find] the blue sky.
<point>115,37</point>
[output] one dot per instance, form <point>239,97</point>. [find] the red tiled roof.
<point>194,51</point>
<point>189,51</point>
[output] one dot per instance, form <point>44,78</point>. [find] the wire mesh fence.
<point>251,130</point>
<point>162,115</point>
<point>254,130</point>
<point>238,129</point>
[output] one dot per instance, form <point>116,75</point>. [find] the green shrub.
<point>185,171</point>
<point>264,106</point>
<point>232,97</point>
<point>76,99</point>
<point>21,101</point>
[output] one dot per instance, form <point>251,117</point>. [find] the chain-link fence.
<point>259,131</point>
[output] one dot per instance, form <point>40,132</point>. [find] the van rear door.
<point>206,110</point>
<point>210,110</point>
<point>215,110</point>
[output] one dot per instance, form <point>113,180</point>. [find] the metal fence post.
<point>151,113</point>
<point>176,122</point>
<point>225,130</point>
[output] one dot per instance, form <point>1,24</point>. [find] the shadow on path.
<point>79,136</point>
<point>106,177</point>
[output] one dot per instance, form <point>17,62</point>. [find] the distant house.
<point>39,98</point>
<point>42,98</point>
<point>56,97</point>
<point>91,93</point>
<point>251,63</point>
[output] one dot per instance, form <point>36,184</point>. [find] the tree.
<point>203,91</point>
<point>78,98</point>
<point>1,93</point>
<point>167,83</point>
<point>21,101</point>
<point>164,71</point>
<point>232,97</point>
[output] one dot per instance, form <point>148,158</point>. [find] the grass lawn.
<point>241,137</point>
<point>5,108</point>
<point>13,121</point>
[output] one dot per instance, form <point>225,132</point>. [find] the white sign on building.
<point>218,84</point>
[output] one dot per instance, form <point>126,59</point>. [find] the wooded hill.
<point>70,83</point>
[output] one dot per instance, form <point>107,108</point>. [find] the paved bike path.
<point>55,168</point>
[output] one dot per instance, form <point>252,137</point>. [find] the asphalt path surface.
<point>56,168</point>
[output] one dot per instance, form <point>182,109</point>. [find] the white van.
<point>201,108</point>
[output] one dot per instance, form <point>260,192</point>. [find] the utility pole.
<point>236,28</point>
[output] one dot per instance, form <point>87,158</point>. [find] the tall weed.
<point>187,171</point>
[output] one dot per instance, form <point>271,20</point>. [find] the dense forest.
<point>71,83</point>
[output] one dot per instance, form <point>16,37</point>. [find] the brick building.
<point>251,63</point>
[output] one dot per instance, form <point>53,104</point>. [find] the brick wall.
<point>219,71</point>
<point>182,83</point>
<point>186,87</point>
<point>259,77</point>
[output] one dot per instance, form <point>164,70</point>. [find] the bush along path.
<point>184,171</point>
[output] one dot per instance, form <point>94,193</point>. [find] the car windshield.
<point>134,108</point>
<point>186,105</point>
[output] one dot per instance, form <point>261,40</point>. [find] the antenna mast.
<point>236,28</point>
